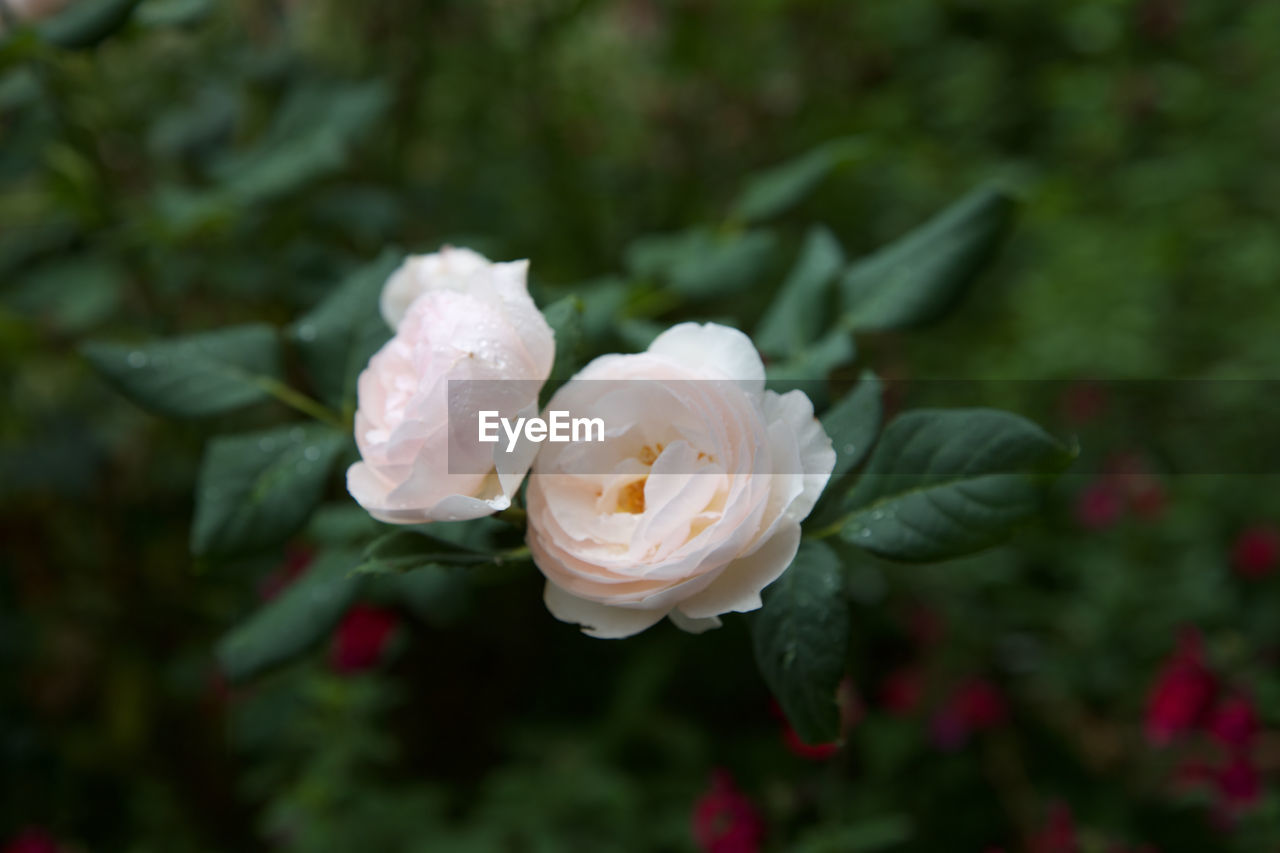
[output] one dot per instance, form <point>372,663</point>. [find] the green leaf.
<point>812,363</point>
<point>258,488</point>
<point>921,276</point>
<point>701,263</point>
<point>942,483</point>
<point>603,301</point>
<point>87,22</point>
<point>409,550</point>
<point>801,309</point>
<point>565,318</point>
<point>437,595</point>
<point>70,294</point>
<point>311,136</point>
<point>337,337</point>
<point>854,422</point>
<point>299,617</point>
<point>193,376</point>
<point>636,334</point>
<point>774,191</point>
<point>342,523</point>
<point>175,13</point>
<point>800,636</point>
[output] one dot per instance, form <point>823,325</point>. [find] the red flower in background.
<point>32,840</point>
<point>725,820</point>
<point>1084,402</point>
<point>362,638</point>
<point>901,692</point>
<point>1256,551</point>
<point>1234,722</point>
<point>812,751</point>
<point>1058,835</point>
<point>1181,693</point>
<point>1239,784</point>
<point>1099,506</point>
<point>977,705</point>
<point>1126,485</point>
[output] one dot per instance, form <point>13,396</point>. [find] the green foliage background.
<point>216,164</point>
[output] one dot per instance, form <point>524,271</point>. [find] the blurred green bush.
<point>209,164</point>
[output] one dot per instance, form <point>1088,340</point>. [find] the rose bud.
<point>692,504</point>
<point>456,316</point>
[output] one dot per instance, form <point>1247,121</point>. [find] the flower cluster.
<point>688,509</point>
<point>1187,700</point>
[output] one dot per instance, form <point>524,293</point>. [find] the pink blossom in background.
<point>1058,835</point>
<point>901,692</point>
<point>1099,506</point>
<point>1234,721</point>
<point>1256,552</point>
<point>361,638</point>
<point>725,820</point>
<point>1182,692</point>
<point>811,751</point>
<point>33,839</point>
<point>976,706</point>
<point>1084,402</point>
<point>1239,784</point>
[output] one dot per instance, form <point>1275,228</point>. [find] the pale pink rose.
<point>692,504</point>
<point>447,269</point>
<point>457,317</point>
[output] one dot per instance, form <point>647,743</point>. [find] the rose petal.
<point>692,625</point>
<point>738,587</point>
<point>817,456</point>
<point>713,348</point>
<point>598,620</point>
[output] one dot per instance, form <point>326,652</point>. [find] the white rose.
<point>692,504</point>
<point>457,317</point>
